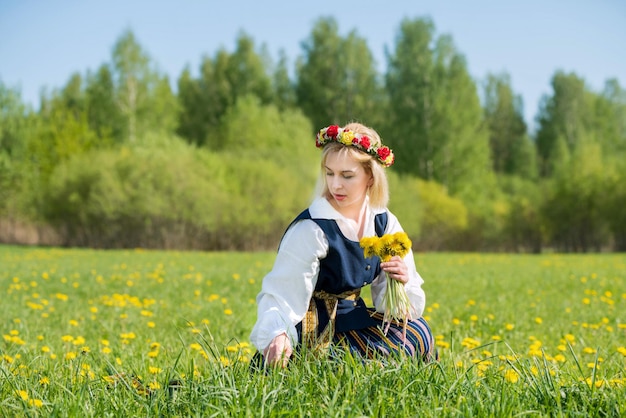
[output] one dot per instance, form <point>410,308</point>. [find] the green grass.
<point>518,335</point>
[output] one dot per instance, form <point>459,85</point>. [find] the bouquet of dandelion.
<point>397,304</point>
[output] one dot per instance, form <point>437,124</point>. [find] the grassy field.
<point>148,333</point>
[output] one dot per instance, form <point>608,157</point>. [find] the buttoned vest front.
<point>345,268</point>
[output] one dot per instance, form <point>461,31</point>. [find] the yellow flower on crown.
<point>347,137</point>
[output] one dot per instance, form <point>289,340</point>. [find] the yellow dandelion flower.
<point>442,344</point>
<point>511,376</point>
<point>154,370</point>
<point>22,394</point>
<point>44,381</point>
<point>228,312</point>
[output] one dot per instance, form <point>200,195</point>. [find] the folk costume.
<point>312,294</point>
<point>313,291</point>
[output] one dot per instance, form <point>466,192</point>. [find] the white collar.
<point>322,209</point>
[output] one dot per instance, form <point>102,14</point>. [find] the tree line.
<point>117,157</point>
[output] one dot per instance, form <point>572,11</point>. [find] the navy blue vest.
<point>345,268</point>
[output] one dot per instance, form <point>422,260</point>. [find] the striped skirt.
<point>372,342</point>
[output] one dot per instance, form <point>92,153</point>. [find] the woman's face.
<point>347,183</point>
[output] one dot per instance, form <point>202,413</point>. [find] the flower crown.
<point>334,133</point>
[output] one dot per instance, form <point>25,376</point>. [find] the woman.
<point>310,298</point>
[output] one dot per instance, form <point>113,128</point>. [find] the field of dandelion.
<point>152,333</point>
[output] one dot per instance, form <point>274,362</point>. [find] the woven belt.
<point>310,323</point>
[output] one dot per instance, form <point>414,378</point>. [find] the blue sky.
<point>43,42</point>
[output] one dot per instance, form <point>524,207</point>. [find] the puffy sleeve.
<point>413,287</point>
<point>288,287</point>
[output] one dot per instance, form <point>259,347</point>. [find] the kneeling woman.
<point>310,298</point>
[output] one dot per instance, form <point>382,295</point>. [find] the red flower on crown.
<point>363,141</point>
<point>332,131</point>
<point>383,152</point>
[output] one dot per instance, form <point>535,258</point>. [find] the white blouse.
<point>288,287</point>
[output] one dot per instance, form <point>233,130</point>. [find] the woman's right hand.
<point>278,351</point>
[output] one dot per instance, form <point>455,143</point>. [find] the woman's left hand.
<point>396,269</point>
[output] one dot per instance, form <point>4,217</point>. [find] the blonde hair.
<point>378,192</point>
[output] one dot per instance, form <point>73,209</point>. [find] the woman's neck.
<point>356,214</point>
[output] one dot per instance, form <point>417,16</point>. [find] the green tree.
<point>222,80</point>
<point>574,208</point>
<point>615,200</point>
<point>283,86</point>
<point>511,149</point>
<point>337,81</point>
<point>192,117</point>
<point>251,129</point>
<point>409,84</point>
<point>437,129</point>
<point>564,119</point>
<point>524,228</point>
<point>103,114</point>
<point>142,94</point>
<point>247,71</point>
<point>16,122</point>
<point>610,118</point>
<point>12,120</point>
<point>429,214</point>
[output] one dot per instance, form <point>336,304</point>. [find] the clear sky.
<point>42,43</point>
